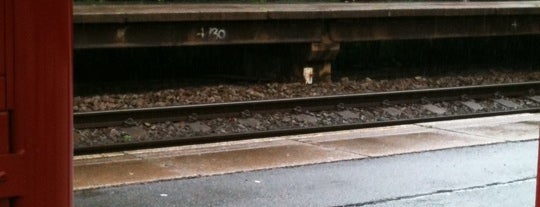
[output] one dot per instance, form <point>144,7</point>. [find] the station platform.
<point>324,24</point>
<point>483,161</point>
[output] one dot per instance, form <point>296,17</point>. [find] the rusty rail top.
<point>212,12</point>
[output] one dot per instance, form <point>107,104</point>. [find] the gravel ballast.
<point>246,122</point>
<point>230,93</point>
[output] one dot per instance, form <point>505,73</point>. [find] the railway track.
<point>469,97</point>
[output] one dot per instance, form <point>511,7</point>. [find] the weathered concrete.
<point>502,128</point>
<point>95,171</point>
<point>122,13</point>
<point>210,163</point>
<point>405,143</point>
<point>366,181</point>
<point>142,25</point>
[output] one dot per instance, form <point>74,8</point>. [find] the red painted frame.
<point>35,57</point>
<point>36,104</point>
<point>4,121</point>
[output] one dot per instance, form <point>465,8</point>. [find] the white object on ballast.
<point>308,75</point>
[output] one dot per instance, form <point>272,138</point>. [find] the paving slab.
<point>361,182</point>
<point>168,152</point>
<point>361,133</point>
<point>102,158</point>
<point>205,164</point>
<point>405,143</point>
<point>505,132</point>
<point>501,128</point>
<point>209,148</point>
<point>255,159</point>
<point>484,121</point>
<point>93,171</point>
<point>118,173</point>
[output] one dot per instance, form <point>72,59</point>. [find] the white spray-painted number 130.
<point>213,33</point>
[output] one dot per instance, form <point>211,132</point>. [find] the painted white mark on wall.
<point>121,34</point>
<point>212,33</point>
<point>514,24</point>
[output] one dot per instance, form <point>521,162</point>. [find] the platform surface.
<point>201,12</point>
<point>164,25</point>
<point>439,163</point>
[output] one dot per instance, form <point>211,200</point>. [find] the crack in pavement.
<point>439,192</point>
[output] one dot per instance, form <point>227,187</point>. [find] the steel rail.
<point>284,132</point>
<point>205,111</point>
<point>371,99</point>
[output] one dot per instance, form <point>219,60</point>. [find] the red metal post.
<point>2,38</point>
<point>4,122</point>
<point>35,62</point>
